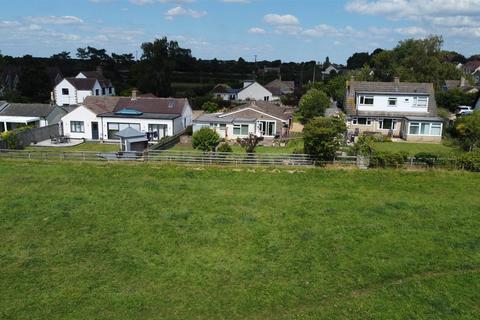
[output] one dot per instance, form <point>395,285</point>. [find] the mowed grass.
<point>86,146</point>
<point>121,241</point>
<point>292,145</point>
<point>414,148</point>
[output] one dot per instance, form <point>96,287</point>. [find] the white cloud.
<point>411,31</point>
<point>256,30</point>
<point>414,8</point>
<point>277,19</point>
<point>181,11</point>
<point>145,2</point>
<point>55,20</point>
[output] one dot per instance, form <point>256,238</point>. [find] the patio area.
<point>56,144</point>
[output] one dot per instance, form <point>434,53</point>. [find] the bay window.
<point>425,129</point>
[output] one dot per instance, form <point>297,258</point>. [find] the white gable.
<point>255,91</point>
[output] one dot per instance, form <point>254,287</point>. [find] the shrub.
<point>365,145</point>
<point>313,104</point>
<point>323,136</point>
<point>210,107</point>
<point>426,157</point>
<point>388,159</point>
<point>205,139</point>
<point>225,147</point>
<point>470,161</point>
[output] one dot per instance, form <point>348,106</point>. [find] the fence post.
<point>83,154</point>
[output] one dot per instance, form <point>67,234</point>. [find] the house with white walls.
<point>261,118</point>
<point>74,90</point>
<point>398,109</point>
<point>101,118</point>
<point>251,90</point>
<point>17,115</point>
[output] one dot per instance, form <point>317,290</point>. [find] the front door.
<point>94,130</point>
<point>261,129</point>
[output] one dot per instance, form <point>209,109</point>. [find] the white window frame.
<point>423,104</point>
<point>430,125</point>
<point>392,99</point>
<point>394,124</point>
<point>240,126</point>
<point>77,126</point>
<point>65,90</point>
<point>363,98</point>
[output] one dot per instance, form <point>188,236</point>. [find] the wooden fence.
<point>216,158</point>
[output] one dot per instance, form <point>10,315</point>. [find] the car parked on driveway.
<point>463,111</point>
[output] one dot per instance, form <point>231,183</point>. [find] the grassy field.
<point>87,146</point>
<point>414,148</point>
<point>113,241</point>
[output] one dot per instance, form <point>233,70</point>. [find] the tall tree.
<point>358,60</point>
<point>313,104</point>
<point>34,83</point>
<point>62,56</point>
<point>153,72</point>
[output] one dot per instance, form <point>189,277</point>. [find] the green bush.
<point>470,161</point>
<point>210,107</point>
<point>205,139</point>
<point>429,158</point>
<point>225,147</point>
<point>323,136</point>
<point>388,159</point>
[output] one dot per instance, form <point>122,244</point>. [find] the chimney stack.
<point>134,94</point>
<point>462,82</point>
<point>396,80</point>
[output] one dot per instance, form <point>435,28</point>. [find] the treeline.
<point>163,68</point>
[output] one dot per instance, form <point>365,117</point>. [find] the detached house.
<point>260,118</point>
<point>101,118</point>
<point>251,90</point>
<point>280,88</point>
<point>17,115</point>
<point>399,109</point>
<point>73,91</point>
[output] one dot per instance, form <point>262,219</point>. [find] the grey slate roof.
<point>83,84</point>
<point>130,132</point>
<point>27,110</point>
<point>269,108</point>
<point>397,88</point>
<point>279,87</point>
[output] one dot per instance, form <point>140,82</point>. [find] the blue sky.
<point>290,30</point>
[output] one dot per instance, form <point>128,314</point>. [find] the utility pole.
<point>314,70</point>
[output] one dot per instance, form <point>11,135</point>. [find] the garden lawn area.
<point>292,145</point>
<point>86,146</point>
<point>414,148</point>
<point>125,241</point>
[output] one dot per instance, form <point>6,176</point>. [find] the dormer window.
<point>366,100</point>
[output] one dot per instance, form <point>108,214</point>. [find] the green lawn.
<point>87,146</point>
<point>292,145</point>
<point>414,148</point>
<point>124,241</point>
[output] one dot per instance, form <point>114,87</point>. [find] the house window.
<point>414,128</point>
<point>387,124</point>
<point>436,129</point>
<point>110,90</point>
<point>366,100</point>
<point>425,129</point>
<point>240,129</point>
<point>114,127</point>
<point>104,91</point>
<point>97,92</point>
<point>364,121</point>
<point>65,91</point>
<point>157,131</point>
<point>77,126</point>
<point>422,101</point>
<point>392,102</point>
<point>266,98</point>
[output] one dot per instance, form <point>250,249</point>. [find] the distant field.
<point>87,146</point>
<point>123,241</point>
<point>414,148</point>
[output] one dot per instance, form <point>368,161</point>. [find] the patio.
<point>51,143</point>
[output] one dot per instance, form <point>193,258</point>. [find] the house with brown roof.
<point>461,84</point>
<point>101,118</point>
<point>74,90</point>
<point>263,119</point>
<point>280,88</point>
<point>397,109</point>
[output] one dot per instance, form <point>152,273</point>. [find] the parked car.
<point>464,110</point>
